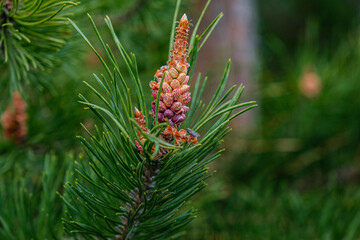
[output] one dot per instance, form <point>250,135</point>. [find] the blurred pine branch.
<point>30,33</point>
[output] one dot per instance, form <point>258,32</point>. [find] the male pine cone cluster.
<point>174,93</point>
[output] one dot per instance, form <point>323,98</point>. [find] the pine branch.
<point>30,208</point>
<point>142,169</point>
<point>31,32</point>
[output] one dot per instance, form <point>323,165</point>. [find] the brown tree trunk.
<point>235,38</point>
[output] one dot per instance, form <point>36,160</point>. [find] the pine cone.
<point>174,94</point>
<point>14,120</point>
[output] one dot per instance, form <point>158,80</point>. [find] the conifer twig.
<point>141,170</point>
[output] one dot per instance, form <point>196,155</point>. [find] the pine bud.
<point>185,98</point>
<point>184,109</point>
<point>168,77</point>
<point>139,118</point>
<point>139,147</point>
<point>176,106</point>
<point>154,85</point>
<point>173,72</point>
<point>160,117</point>
<point>168,114</point>
<point>155,93</point>
<point>162,106</point>
<point>181,78</point>
<point>138,114</point>
<point>178,118</point>
<point>175,84</point>
<point>186,80</point>
<point>168,99</point>
<point>181,68</point>
<point>166,88</point>
<point>174,94</point>
<point>184,88</point>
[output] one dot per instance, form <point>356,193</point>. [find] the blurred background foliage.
<point>293,175</point>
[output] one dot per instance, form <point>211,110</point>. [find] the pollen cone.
<point>14,120</point>
<point>175,92</point>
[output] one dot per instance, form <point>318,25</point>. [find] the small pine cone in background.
<point>174,93</point>
<point>14,119</point>
<point>310,84</point>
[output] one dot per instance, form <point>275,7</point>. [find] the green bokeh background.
<point>295,175</point>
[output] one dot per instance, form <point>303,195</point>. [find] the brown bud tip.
<point>179,52</point>
<point>138,114</point>
<point>184,23</point>
<point>184,19</point>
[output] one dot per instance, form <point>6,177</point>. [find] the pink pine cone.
<point>186,80</point>
<point>168,114</point>
<point>168,99</point>
<point>166,88</point>
<point>184,89</point>
<point>181,78</point>
<point>176,106</point>
<point>176,94</point>
<point>138,146</point>
<point>179,118</point>
<point>154,93</point>
<point>160,117</point>
<point>162,106</point>
<point>185,98</point>
<point>184,109</point>
<point>173,72</point>
<point>175,84</point>
<point>167,77</point>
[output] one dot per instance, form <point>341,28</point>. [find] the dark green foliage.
<point>263,210</point>
<point>297,175</point>
<point>121,194</point>
<point>30,207</point>
<point>289,20</point>
<point>320,134</point>
<point>294,177</point>
<point>142,24</point>
<point>31,33</point>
